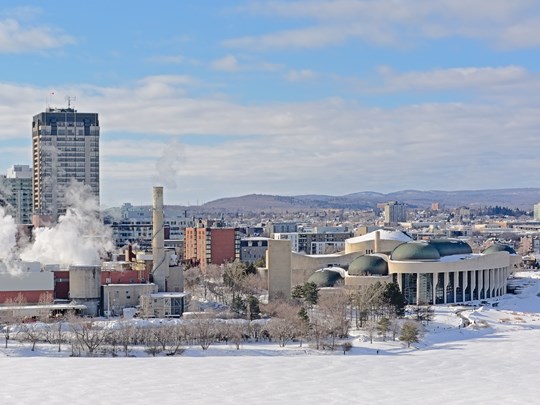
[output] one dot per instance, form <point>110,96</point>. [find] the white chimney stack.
<point>160,266</point>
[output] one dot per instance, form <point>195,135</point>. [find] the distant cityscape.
<point>165,261</point>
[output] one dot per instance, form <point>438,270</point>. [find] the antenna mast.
<point>69,99</point>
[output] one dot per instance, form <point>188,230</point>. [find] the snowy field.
<point>492,361</point>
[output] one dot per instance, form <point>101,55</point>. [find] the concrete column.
<point>465,282</point>
<point>377,242</point>
<point>417,289</point>
<point>446,278</point>
<point>400,281</point>
<point>501,282</point>
<point>456,282</point>
<point>480,282</point>
<point>434,287</point>
<point>473,285</point>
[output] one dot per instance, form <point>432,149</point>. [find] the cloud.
<point>486,79</point>
<point>15,38</point>
<point>167,59</point>
<point>230,63</point>
<point>505,24</point>
<point>227,64</point>
<point>300,75</point>
<point>332,145</point>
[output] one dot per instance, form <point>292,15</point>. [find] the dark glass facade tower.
<point>65,147</point>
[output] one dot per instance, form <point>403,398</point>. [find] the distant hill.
<point>522,198</point>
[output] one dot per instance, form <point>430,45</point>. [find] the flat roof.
<point>168,295</point>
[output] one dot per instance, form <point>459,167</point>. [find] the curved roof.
<point>415,251</point>
<point>368,265</point>
<point>449,247</point>
<point>499,247</point>
<point>383,234</point>
<point>325,278</point>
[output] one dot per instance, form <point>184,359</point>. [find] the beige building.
<point>164,304</point>
<point>116,297</point>
<point>278,263</point>
<point>439,271</point>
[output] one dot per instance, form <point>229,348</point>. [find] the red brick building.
<point>212,245</point>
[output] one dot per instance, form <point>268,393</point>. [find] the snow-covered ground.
<point>494,360</point>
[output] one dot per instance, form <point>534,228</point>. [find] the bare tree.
<point>395,328</point>
<point>284,326</point>
<point>149,339</point>
<point>88,335</point>
<point>192,278</point>
<point>203,329</point>
<point>234,276</point>
<point>169,337</point>
<point>370,327</point>
<point>45,298</point>
<point>125,333</point>
<point>212,281</point>
<point>383,326</point>
<point>11,319</point>
<point>333,307</point>
<point>31,332</point>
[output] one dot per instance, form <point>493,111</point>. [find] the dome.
<point>368,265</point>
<point>415,251</point>
<point>449,247</point>
<point>499,247</point>
<point>325,278</point>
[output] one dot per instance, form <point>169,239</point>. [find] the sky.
<point>215,99</point>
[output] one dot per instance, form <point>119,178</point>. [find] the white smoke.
<point>79,237</point>
<point>8,231</point>
<point>169,164</point>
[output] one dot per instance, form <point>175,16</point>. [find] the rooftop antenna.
<point>69,99</point>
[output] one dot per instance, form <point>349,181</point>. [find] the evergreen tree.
<point>410,333</point>
<point>394,298</point>
<point>311,293</point>
<point>252,308</point>
<point>238,305</point>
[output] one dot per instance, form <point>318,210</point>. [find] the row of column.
<point>491,283</point>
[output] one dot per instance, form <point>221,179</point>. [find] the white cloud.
<point>231,63</point>
<point>167,59</point>
<point>15,38</point>
<point>486,79</point>
<point>330,146</point>
<point>300,75</point>
<point>227,64</point>
<point>510,24</point>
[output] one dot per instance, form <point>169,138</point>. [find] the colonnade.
<point>453,286</point>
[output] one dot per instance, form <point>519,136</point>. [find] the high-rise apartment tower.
<point>16,193</point>
<point>65,147</point>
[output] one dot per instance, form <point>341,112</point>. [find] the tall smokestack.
<point>160,265</point>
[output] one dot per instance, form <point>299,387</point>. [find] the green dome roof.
<point>325,278</point>
<point>415,251</point>
<point>499,247</point>
<point>368,265</point>
<point>449,247</point>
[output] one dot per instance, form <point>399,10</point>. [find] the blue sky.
<point>224,98</point>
